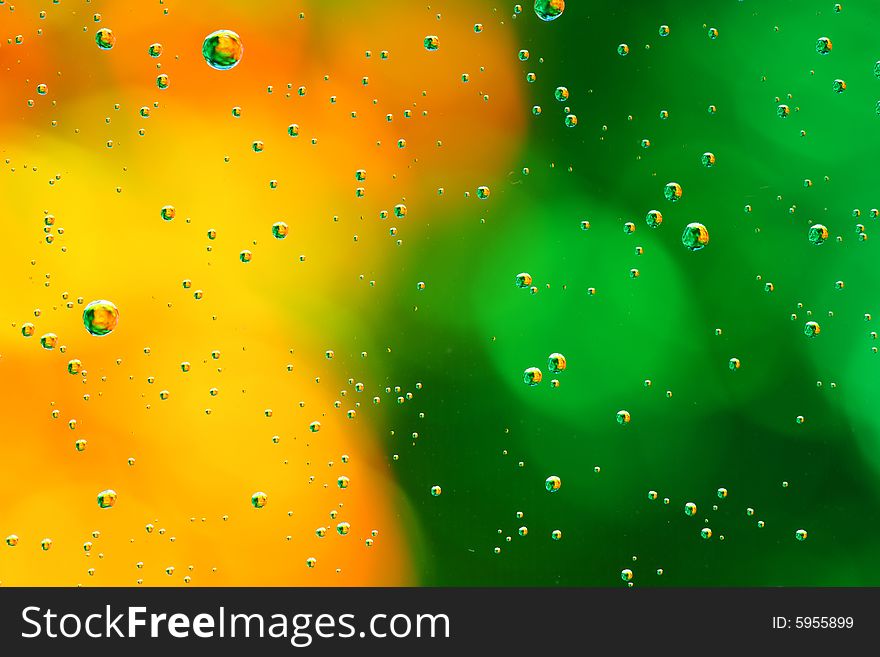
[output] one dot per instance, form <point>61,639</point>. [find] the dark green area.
<point>475,331</point>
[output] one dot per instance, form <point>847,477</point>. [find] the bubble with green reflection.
<point>549,10</point>
<point>107,498</point>
<point>222,49</point>
<point>532,376</point>
<point>817,234</point>
<point>695,236</point>
<point>100,317</point>
<point>105,38</point>
<point>672,191</point>
<point>654,218</point>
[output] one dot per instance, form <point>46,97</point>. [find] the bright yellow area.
<point>297,298</point>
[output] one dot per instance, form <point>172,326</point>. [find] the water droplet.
<point>549,10</point>
<point>523,279</point>
<point>817,234</point>
<point>532,376</point>
<point>556,362</point>
<point>107,498</point>
<point>672,191</point>
<point>222,49</point>
<point>695,236</point>
<point>105,38</point>
<point>553,483</point>
<point>100,317</point>
<point>259,499</point>
<point>280,230</point>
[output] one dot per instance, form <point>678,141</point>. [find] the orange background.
<point>297,298</point>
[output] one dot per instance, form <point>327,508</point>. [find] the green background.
<point>475,331</point>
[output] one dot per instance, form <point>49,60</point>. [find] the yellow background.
<point>192,468</point>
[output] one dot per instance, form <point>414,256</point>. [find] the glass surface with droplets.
<point>341,294</point>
